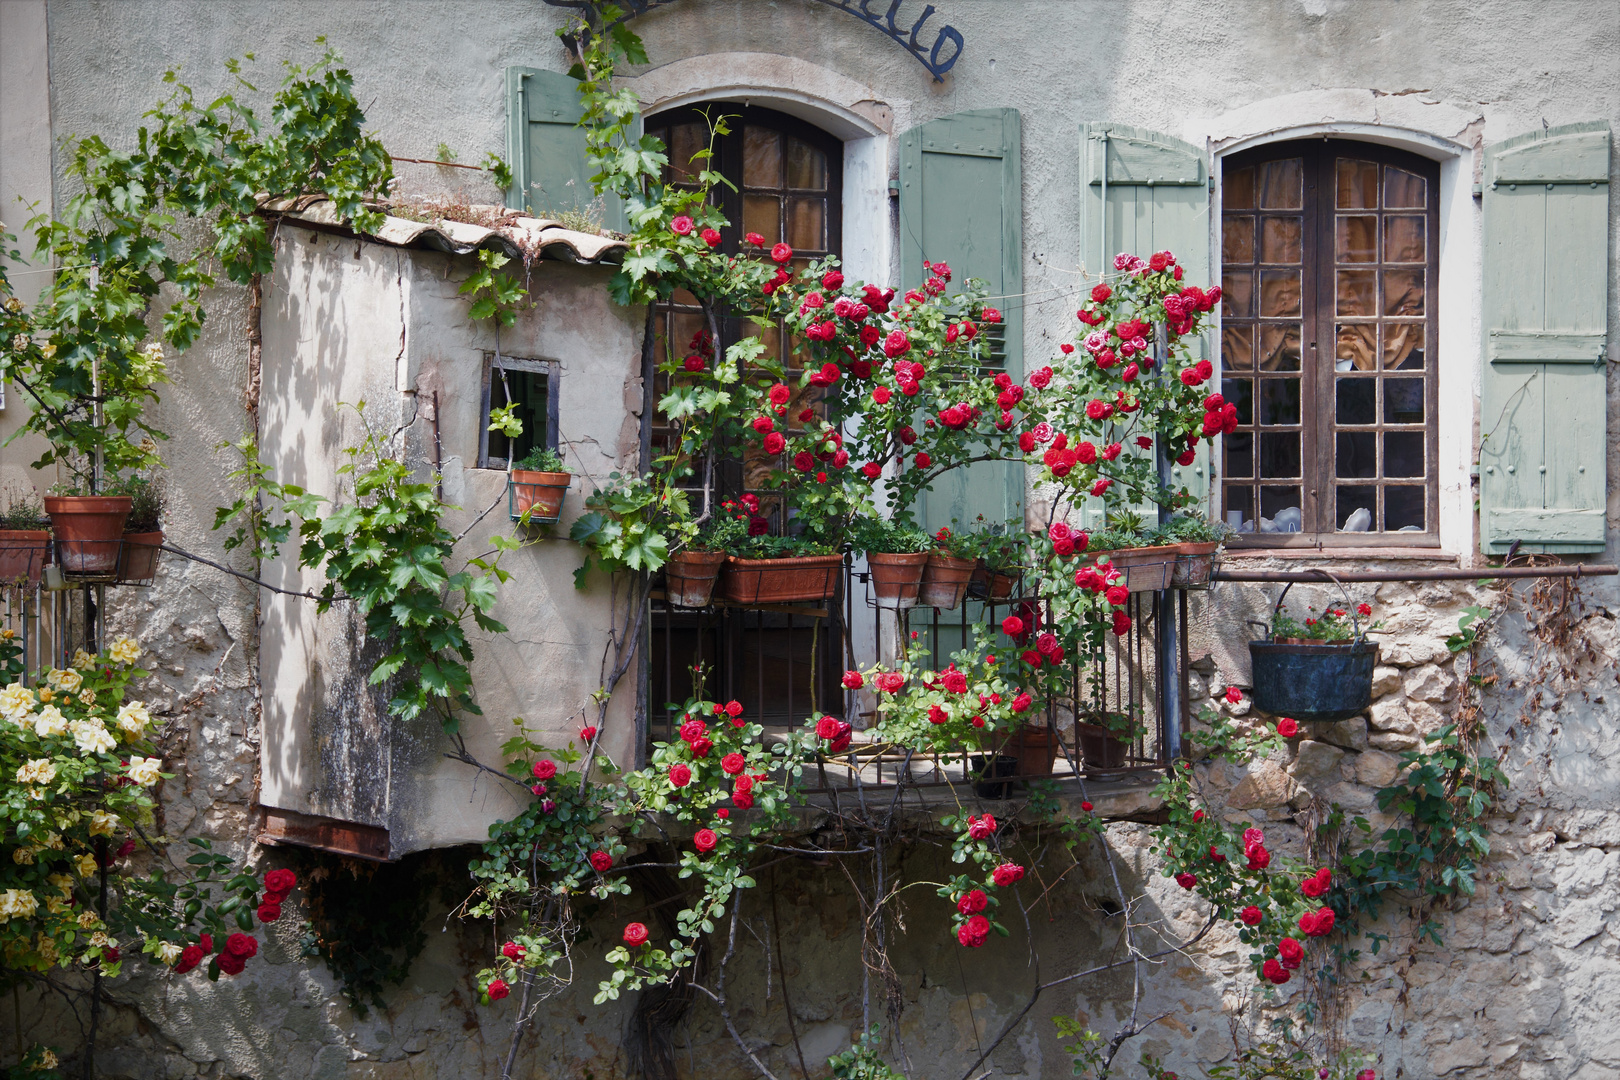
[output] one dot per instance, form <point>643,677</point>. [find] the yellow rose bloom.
<point>83,660</point>
<point>17,903</point>
<point>36,771</point>
<point>102,823</point>
<point>126,650</point>
<point>22,856</point>
<point>133,717</point>
<point>16,700</point>
<point>87,919</point>
<point>49,722</point>
<point>145,770</point>
<point>86,864</point>
<point>91,736</point>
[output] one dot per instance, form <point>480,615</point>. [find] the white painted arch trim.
<point>1446,135</point>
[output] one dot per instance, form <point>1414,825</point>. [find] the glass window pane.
<point>1357,184</point>
<point>762,158</point>
<point>1403,292</point>
<point>761,214</point>
<point>1237,189</point>
<point>1282,184</point>
<point>1279,401</point>
<point>806,166</point>
<point>1279,454</point>
<point>1237,295</point>
<point>1280,240</point>
<point>1356,508</point>
<point>807,224</point>
<point>1237,239</point>
<point>1404,239</point>
<point>1237,348</point>
<point>1239,448</point>
<point>1279,348</point>
<point>1356,454</point>
<point>1403,453</point>
<point>1356,239</point>
<point>1355,348</point>
<point>1403,345</point>
<point>1403,401</point>
<point>1239,500</point>
<point>1240,392</point>
<point>1279,293</point>
<point>1356,292</point>
<point>1403,189</point>
<point>684,141</point>
<point>1355,401</point>
<point>1279,509</point>
<point>1403,508</point>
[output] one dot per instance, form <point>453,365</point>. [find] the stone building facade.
<point>1075,105</point>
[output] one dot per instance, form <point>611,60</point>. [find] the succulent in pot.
<point>537,486</point>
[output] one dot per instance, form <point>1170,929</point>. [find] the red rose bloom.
<point>242,945</point>
<point>1290,952</point>
<point>872,470</point>
<point>1100,293</point>
<point>190,957</point>
<point>1233,695</point>
<point>755,239</point>
<point>1040,379</point>
<point>1215,855</point>
<point>1251,916</point>
<point>1006,874</point>
<point>545,769</point>
<point>513,951</point>
<point>601,861</point>
<point>991,315</point>
<point>973,902</point>
<point>1186,880</point>
<point>710,237</point>
<point>1117,595</point>
<point>1274,971</point>
<point>680,774</point>
<point>980,828</point>
<point>269,912</point>
<point>955,682</point>
<point>1313,887</point>
<point>497,987</point>
<point>1287,727</point>
<point>1012,626</point>
<point>1319,924</point>
<point>922,461</point>
<point>734,709</point>
<point>586,734</point>
<point>681,226</point>
<point>780,394</point>
<point>1259,857</point>
<point>974,933</point>
<point>1086,806</point>
<point>704,840</point>
<point>832,279</point>
<point>764,425</point>
<point>281,881</point>
<point>781,253</point>
<point>635,935</point>
<point>1198,815</point>
<point>775,443</point>
<point>881,395</point>
<point>230,963</point>
<point>733,763</point>
<point>853,680</point>
<point>701,747</point>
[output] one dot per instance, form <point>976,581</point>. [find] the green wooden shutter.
<point>1545,314</point>
<point>546,148</point>
<point>961,202</point>
<point>1142,192</point>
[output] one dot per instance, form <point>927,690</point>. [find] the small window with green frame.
<point>530,386</point>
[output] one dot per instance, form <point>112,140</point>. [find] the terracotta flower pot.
<point>22,555</point>
<point>1144,569</point>
<point>1034,747</point>
<point>945,580</point>
<point>137,561</point>
<point>88,530</point>
<point>988,584</point>
<point>689,577</point>
<point>896,577</point>
<point>1194,564</point>
<point>803,579</point>
<point>1101,748</point>
<point>540,494</point>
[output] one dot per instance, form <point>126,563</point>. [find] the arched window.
<point>1329,267</point>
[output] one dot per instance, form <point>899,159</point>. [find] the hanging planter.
<point>1144,569</point>
<point>1327,677</point>
<point>945,580</point>
<point>536,488</point>
<point>22,555</point>
<point>1194,564</point>
<point>896,577</point>
<point>689,577</point>
<point>796,580</point>
<point>138,557</point>
<point>88,532</point>
<point>992,584</point>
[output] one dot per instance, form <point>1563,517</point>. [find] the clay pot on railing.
<point>22,555</point>
<point>138,558</point>
<point>945,580</point>
<point>798,580</point>
<point>896,577</point>
<point>88,531</point>
<point>689,577</point>
<point>1194,564</point>
<point>538,494</point>
<point>988,584</point>
<point>1144,569</point>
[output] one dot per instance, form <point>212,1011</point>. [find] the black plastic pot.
<point>984,769</point>
<point>1313,682</point>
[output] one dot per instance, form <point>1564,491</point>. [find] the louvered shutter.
<point>1142,192</point>
<point>546,147</point>
<point>1545,307</point>
<point>961,202</point>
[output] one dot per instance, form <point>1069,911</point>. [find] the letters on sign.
<point>938,58</point>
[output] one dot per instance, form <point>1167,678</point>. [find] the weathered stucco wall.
<point>1526,983</point>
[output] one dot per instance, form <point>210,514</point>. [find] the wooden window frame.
<point>549,368</point>
<point>1318,348</point>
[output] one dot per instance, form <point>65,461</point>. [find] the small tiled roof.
<point>516,235</point>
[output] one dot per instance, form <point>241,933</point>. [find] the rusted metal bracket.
<point>289,827</point>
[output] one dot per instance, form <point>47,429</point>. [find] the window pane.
<point>1279,348</point>
<point>1354,511</point>
<point>1237,239</point>
<point>1356,292</point>
<point>1404,239</point>
<point>1356,401</point>
<point>1403,189</point>
<point>1355,348</point>
<point>1237,348</point>
<point>1279,401</point>
<point>762,158</point>
<point>1403,453</point>
<point>806,166</point>
<point>1237,189</point>
<point>1279,453</point>
<point>1403,345</point>
<point>1280,240</point>
<point>1282,184</point>
<point>1356,239</point>
<point>1281,506</point>
<point>1403,508</point>
<point>1237,295</point>
<point>761,215</point>
<point>1403,401</point>
<point>1357,184</point>
<point>1239,453</point>
<point>1279,293</point>
<point>684,141</point>
<point>807,224</point>
<point>1240,501</point>
<point>1240,392</point>
<point>1403,292</point>
<point>1356,454</point>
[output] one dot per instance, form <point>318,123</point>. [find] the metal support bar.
<point>1484,573</point>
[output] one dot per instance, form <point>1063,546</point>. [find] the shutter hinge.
<point>894,189</point>
<point>1478,191</point>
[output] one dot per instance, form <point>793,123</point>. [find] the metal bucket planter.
<point>945,580</point>
<point>88,531</point>
<point>896,578</point>
<point>689,577</point>
<point>804,579</point>
<point>1313,682</point>
<point>538,494</point>
<point>1144,569</point>
<point>22,555</point>
<point>1194,564</point>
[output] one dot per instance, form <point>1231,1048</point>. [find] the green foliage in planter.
<point>146,503</point>
<point>888,536</point>
<point>23,511</point>
<point>542,459</point>
<point>863,1061</point>
<point>1190,529</point>
<point>958,545</point>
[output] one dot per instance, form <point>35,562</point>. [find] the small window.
<point>528,383</point>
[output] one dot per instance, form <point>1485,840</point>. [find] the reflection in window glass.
<point>1282,184</point>
<point>1357,184</point>
<point>1356,454</point>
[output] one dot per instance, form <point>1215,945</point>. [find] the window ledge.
<point>1343,554</point>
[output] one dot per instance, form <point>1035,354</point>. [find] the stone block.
<point>1376,768</point>
<point>1197,687</point>
<point>1266,787</point>
<point>1386,680</point>
<point>1351,734</point>
<point>1391,715</point>
<point>1390,740</point>
<point>1413,651</point>
<point>1429,682</point>
<point>1316,760</point>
